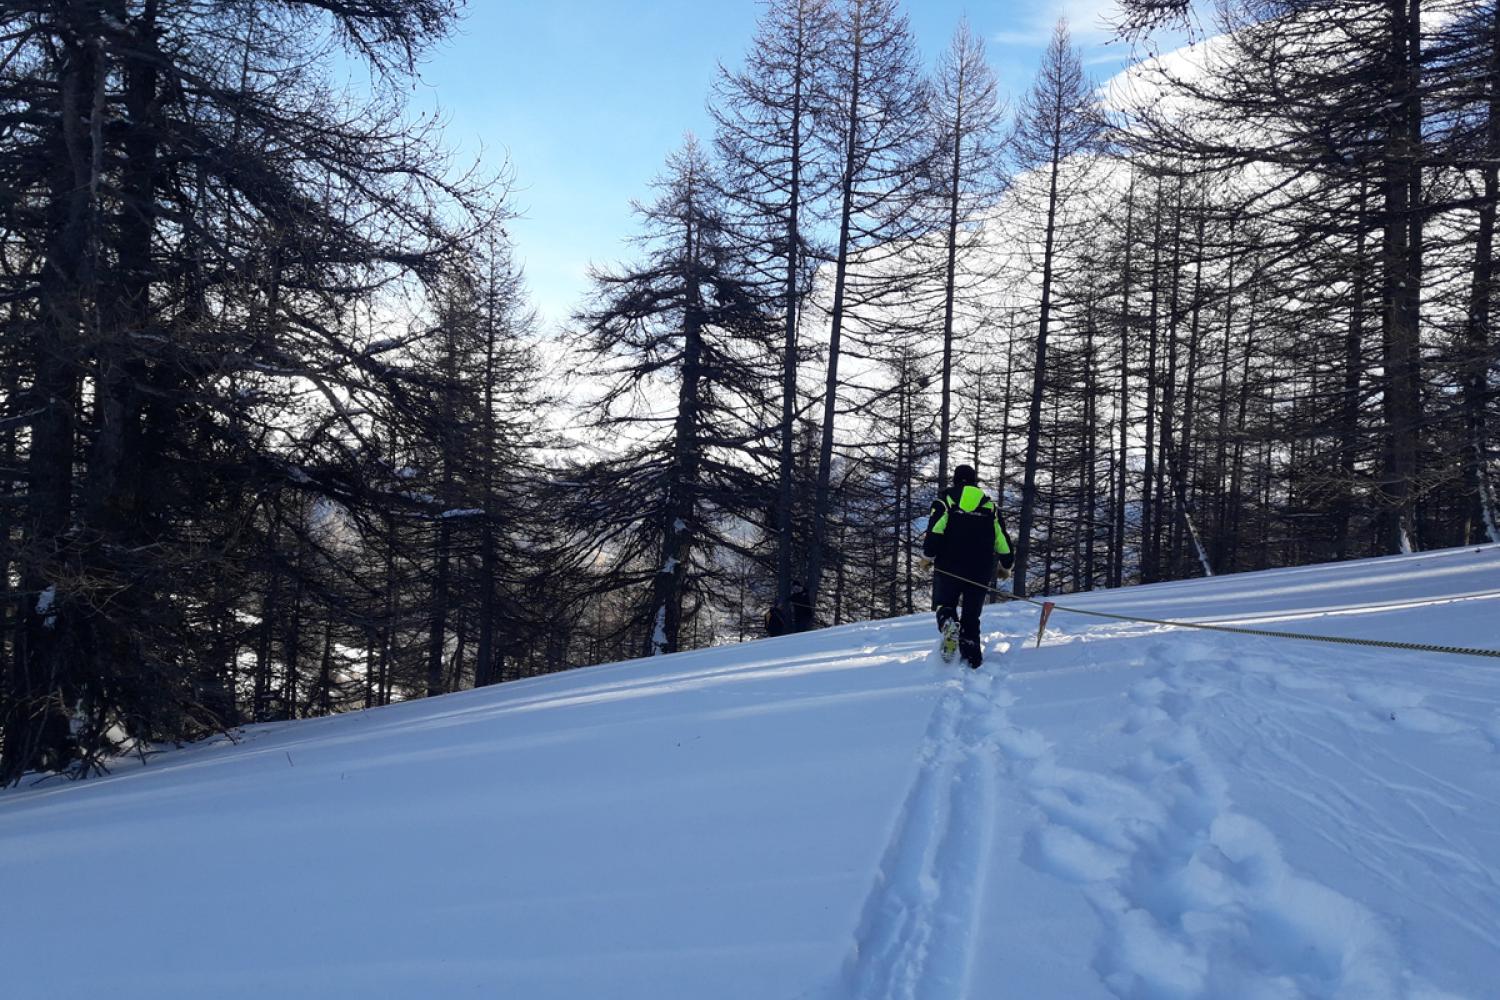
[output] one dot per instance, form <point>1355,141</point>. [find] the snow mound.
<point>1126,811</point>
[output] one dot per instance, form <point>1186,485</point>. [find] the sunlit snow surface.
<point>1126,811</point>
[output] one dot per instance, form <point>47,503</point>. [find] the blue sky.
<point>587,97</point>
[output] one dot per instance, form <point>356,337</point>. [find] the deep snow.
<point>1126,811</point>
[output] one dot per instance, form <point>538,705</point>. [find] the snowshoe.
<point>948,646</point>
<point>972,653</point>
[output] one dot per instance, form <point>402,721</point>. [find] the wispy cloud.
<point>1091,22</point>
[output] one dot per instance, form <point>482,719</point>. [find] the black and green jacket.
<point>965,534</point>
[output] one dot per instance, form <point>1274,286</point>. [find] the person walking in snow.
<point>965,535</point>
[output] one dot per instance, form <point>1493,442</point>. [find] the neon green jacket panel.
<point>971,499</point>
<point>1002,544</point>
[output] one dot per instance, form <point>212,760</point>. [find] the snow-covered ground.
<point>1126,811</point>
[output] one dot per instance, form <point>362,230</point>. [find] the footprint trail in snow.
<point>1195,897</point>
<point>919,923</point>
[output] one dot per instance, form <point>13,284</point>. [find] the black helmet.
<point>965,475</point>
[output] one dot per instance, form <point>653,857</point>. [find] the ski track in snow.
<point>1195,898</point>
<point>919,922</point>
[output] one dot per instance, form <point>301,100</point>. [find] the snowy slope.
<point>1126,811</point>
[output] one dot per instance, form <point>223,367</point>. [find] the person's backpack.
<point>962,540</point>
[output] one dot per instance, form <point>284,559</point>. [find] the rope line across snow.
<point>1420,647</point>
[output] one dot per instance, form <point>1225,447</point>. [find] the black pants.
<point>947,593</point>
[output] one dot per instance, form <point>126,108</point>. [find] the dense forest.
<point>280,436</point>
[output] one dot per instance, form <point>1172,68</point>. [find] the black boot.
<point>970,650</point>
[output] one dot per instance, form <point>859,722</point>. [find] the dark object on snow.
<point>776,620</point>
<point>802,610</point>
<point>798,618</point>
<point>965,535</point>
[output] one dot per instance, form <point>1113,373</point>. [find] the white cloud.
<point>1090,21</point>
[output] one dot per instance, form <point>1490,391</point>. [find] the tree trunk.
<point>1038,381</point>
<point>438,617</point>
<point>1090,453</point>
<point>41,685</point>
<point>291,643</point>
<point>1117,553</point>
<point>1149,572</point>
<point>484,653</point>
<point>950,277</point>
<point>1401,280</point>
<point>113,504</point>
<point>830,391</point>
<point>1184,470</point>
<point>1162,491</point>
<point>1482,520</point>
<point>789,348</point>
<point>1349,401</point>
<point>677,533</point>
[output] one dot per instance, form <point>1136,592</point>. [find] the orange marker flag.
<point>1047,607</point>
